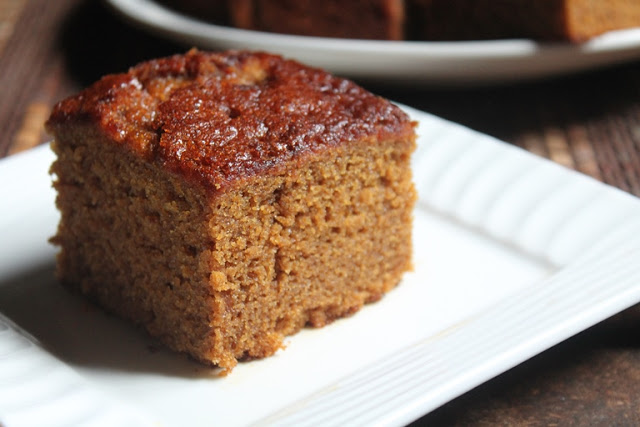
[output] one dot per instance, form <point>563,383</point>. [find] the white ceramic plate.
<point>410,63</point>
<point>513,254</point>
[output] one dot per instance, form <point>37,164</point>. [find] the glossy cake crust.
<point>218,118</point>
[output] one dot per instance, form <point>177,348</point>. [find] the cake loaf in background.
<point>572,20</point>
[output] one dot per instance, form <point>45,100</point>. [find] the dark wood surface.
<point>589,122</point>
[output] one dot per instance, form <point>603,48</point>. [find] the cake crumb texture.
<point>225,200</point>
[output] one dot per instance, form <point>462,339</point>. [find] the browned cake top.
<point>219,117</point>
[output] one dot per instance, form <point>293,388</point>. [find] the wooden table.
<point>590,122</point>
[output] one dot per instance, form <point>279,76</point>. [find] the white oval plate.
<point>459,63</point>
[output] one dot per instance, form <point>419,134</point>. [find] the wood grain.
<point>9,12</point>
<point>28,54</point>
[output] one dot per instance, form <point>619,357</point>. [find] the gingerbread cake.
<point>358,19</point>
<point>225,200</point>
<point>573,20</point>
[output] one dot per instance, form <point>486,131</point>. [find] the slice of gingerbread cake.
<point>226,200</point>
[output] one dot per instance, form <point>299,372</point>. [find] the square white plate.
<point>513,254</point>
